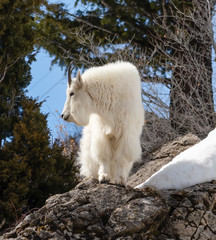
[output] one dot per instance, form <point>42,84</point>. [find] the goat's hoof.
<point>105,181</point>
<point>121,185</point>
<point>121,182</point>
<point>104,178</point>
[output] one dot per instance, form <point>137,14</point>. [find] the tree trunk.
<point>191,94</point>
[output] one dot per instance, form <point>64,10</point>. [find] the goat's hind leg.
<point>127,153</point>
<point>122,169</point>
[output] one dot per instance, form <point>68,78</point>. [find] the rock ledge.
<point>103,211</point>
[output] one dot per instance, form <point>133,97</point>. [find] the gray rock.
<point>94,211</point>
<point>104,211</point>
<point>193,215</point>
<point>153,161</point>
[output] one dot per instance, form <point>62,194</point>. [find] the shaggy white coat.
<point>193,166</point>
<point>107,102</point>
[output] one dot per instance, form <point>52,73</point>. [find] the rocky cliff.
<point>104,211</point>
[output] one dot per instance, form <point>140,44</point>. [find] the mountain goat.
<point>107,101</point>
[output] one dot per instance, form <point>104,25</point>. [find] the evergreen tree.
<point>30,168</point>
<point>17,39</point>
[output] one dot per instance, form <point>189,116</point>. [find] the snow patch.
<point>194,166</point>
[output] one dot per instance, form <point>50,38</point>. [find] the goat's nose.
<point>62,115</point>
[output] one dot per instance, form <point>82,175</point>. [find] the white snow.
<point>193,166</point>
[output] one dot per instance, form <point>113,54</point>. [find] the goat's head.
<point>77,106</point>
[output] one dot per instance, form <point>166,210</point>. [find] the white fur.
<point>107,102</point>
<point>194,166</point>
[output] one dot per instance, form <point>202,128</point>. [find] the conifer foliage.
<point>31,169</point>
<point>17,38</point>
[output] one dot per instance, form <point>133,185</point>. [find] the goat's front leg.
<point>103,154</point>
<point>104,172</point>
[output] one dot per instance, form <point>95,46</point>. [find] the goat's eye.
<point>71,94</point>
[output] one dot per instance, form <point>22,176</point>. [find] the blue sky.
<point>49,83</point>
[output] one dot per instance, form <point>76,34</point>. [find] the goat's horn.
<point>69,73</point>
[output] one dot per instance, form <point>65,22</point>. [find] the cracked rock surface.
<point>193,213</point>
<point>103,211</point>
<point>94,211</point>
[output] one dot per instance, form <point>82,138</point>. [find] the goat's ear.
<point>79,80</point>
